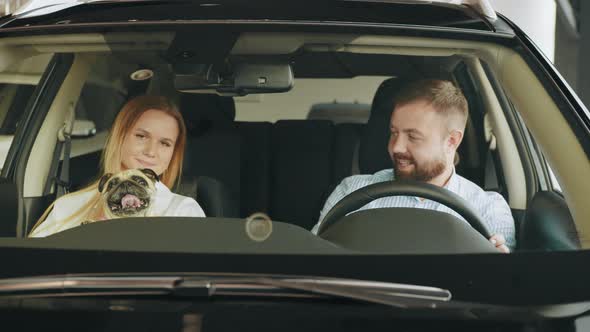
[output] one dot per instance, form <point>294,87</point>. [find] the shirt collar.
<point>161,187</point>
<point>451,185</point>
<point>453,182</point>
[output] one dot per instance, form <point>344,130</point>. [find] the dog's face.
<point>128,193</point>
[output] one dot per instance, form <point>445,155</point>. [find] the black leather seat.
<point>211,194</point>
<point>211,171</point>
<point>548,225</point>
<point>301,169</point>
<point>373,155</point>
<point>255,164</point>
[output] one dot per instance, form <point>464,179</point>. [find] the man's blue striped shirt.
<point>491,206</point>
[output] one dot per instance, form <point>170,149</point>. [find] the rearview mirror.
<point>244,78</point>
<point>263,78</point>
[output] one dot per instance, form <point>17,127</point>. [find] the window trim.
<point>36,110</point>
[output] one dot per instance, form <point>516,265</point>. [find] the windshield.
<point>288,142</point>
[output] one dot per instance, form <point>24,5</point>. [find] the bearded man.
<point>426,128</point>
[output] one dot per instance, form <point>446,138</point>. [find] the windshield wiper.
<point>210,285</point>
<point>398,295</point>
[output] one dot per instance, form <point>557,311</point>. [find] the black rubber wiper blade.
<point>393,294</point>
<point>206,286</point>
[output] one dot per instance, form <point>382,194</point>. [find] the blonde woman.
<point>148,132</point>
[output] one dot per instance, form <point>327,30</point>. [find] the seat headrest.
<point>373,155</point>
<point>203,112</point>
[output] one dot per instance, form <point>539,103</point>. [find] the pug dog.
<point>128,193</point>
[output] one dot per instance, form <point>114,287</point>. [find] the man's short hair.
<point>443,95</point>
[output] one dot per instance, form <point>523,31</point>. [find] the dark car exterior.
<point>541,286</point>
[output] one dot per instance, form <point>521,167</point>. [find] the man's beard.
<point>424,171</point>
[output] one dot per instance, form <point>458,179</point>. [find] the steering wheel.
<point>365,195</point>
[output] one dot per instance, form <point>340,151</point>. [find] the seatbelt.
<point>64,143</point>
<point>490,175</point>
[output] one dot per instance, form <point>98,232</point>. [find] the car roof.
<point>460,14</point>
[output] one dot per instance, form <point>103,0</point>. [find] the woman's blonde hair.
<point>111,156</point>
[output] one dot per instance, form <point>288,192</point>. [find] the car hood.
<point>463,14</point>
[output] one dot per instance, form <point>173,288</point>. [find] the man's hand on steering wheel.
<point>499,242</point>
<point>364,195</point>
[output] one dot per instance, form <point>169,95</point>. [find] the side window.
<point>18,81</point>
<point>336,99</point>
<point>13,100</point>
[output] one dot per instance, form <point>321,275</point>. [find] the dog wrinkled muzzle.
<point>128,199</point>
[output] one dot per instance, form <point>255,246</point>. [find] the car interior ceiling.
<point>266,166</point>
